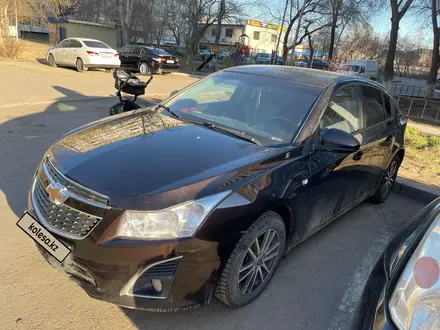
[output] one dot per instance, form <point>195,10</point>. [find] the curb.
<point>415,190</point>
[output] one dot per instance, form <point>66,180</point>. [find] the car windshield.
<point>95,44</point>
<point>268,109</point>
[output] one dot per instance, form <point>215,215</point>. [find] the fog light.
<point>156,284</point>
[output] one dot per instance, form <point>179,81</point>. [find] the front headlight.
<point>415,302</point>
<point>175,222</point>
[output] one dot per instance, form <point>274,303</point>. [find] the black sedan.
<point>148,60</point>
<point>164,208</point>
<point>403,289</point>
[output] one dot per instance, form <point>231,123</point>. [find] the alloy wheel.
<point>390,177</point>
<point>143,68</point>
<point>79,65</point>
<point>258,261</point>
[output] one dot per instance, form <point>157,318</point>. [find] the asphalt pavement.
<point>316,287</point>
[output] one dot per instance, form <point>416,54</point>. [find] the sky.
<point>411,25</point>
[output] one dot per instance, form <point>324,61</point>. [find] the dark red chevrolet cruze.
<point>166,207</point>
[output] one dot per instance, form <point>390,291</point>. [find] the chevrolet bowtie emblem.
<point>56,193</point>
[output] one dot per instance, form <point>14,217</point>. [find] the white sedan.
<point>82,53</point>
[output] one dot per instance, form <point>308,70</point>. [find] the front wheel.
<point>253,262</point>
<point>51,60</point>
<point>386,185</point>
<point>79,65</point>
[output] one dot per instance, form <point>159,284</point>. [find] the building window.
<point>273,38</point>
<point>214,31</point>
<point>256,35</point>
<point>229,33</point>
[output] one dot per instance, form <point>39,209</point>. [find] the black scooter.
<point>127,83</point>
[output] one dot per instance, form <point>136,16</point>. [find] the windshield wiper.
<point>167,109</point>
<point>231,131</point>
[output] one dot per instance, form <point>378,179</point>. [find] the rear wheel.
<point>79,65</point>
<point>253,262</point>
<point>144,69</point>
<point>51,60</point>
<point>386,185</point>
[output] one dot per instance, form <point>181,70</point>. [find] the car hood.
<point>145,153</point>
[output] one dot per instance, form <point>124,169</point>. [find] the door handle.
<point>389,138</point>
<point>358,155</point>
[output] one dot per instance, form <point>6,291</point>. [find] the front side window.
<point>256,35</point>
<point>372,101</point>
<point>268,109</point>
<point>125,50</point>
<point>64,43</point>
<point>342,111</point>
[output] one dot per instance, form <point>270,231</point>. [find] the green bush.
<point>415,139</point>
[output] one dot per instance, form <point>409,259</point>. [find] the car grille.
<point>58,217</point>
<point>62,217</point>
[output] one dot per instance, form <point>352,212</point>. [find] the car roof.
<point>317,78</point>
<point>86,39</point>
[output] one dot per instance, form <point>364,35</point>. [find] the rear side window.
<point>75,44</point>
<point>374,111</point>
<point>136,50</point>
<point>342,111</point>
<point>95,44</point>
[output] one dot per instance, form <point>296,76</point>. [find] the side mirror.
<point>174,92</point>
<point>339,141</point>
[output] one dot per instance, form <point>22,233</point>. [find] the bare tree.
<point>398,10</point>
<point>433,8</point>
<point>30,11</point>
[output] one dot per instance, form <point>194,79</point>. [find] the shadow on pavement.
<point>42,61</point>
<point>24,139</point>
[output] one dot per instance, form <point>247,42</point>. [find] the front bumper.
<point>108,270</point>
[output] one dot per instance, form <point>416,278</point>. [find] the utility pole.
<point>16,20</point>
<point>275,60</point>
<point>297,32</point>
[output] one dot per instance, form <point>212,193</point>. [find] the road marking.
<point>342,319</point>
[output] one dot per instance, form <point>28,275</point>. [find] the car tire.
<point>144,68</point>
<point>255,269</point>
<point>51,61</point>
<point>79,65</point>
<point>385,187</point>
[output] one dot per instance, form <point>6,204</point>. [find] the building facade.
<point>259,36</point>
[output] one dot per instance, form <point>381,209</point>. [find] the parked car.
<point>402,290</point>
<point>148,60</point>
<point>205,52</point>
<point>82,53</point>
<point>203,194</point>
<point>263,58</point>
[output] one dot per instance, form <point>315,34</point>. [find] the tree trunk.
<point>435,60</point>
<point>391,54</point>
<point>122,18</point>
<point>221,13</point>
<point>312,50</point>
<point>333,35</point>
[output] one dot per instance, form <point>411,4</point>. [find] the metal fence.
<point>420,108</point>
<point>412,91</point>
